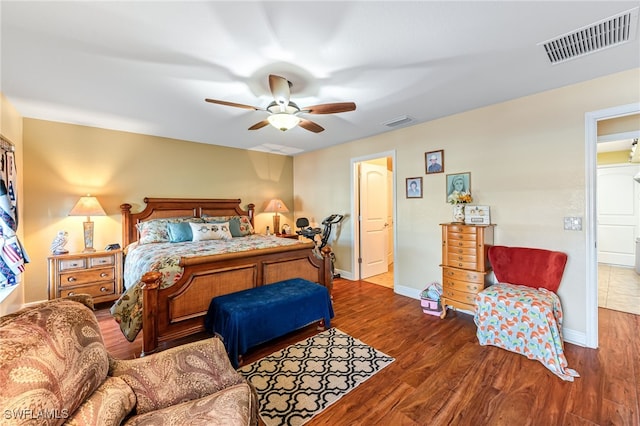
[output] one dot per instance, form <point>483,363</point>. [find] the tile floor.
<point>618,288</point>
<point>385,280</point>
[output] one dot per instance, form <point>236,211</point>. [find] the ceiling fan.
<point>285,114</point>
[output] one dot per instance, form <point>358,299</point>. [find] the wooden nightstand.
<point>292,236</point>
<point>98,274</point>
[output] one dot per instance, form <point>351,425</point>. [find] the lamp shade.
<point>283,121</point>
<point>87,206</point>
<point>276,205</point>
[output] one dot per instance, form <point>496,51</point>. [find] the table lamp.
<point>276,206</point>
<point>88,206</point>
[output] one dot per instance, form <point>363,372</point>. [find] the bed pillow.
<point>179,232</point>
<point>210,231</point>
<point>239,226</point>
<point>157,231</point>
<point>153,231</point>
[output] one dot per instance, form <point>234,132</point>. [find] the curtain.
<point>13,257</point>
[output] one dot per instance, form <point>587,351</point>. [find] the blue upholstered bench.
<point>250,317</point>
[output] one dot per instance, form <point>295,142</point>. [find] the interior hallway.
<point>618,288</point>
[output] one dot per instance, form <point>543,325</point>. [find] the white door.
<point>373,220</point>
<point>618,216</point>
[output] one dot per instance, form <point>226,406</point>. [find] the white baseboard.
<point>576,337</point>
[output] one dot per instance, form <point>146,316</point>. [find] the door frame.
<point>591,237</point>
<point>355,208</point>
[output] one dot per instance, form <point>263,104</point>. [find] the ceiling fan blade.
<point>311,126</point>
<point>330,108</point>
<point>232,104</point>
<point>281,90</point>
<point>259,125</point>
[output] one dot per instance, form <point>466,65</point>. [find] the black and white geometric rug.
<point>298,382</point>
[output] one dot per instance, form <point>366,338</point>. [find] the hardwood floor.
<point>442,376</point>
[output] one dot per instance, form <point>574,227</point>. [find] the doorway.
<point>373,204</point>
<point>591,140</point>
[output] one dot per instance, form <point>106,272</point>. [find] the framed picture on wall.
<point>414,187</point>
<point>434,162</point>
<point>458,184</point>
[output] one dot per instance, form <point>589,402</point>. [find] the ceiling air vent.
<point>400,121</point>
<point>601,35</point>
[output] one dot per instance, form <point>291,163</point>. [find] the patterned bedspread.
<point>165,258</point>
<point>526,321</point>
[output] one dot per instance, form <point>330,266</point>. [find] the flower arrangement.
<point>459,197</point>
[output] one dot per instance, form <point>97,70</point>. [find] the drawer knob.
<point>103,289</point>
<point>71,279</point>
<point>104,274</point>
<point>75,264</point>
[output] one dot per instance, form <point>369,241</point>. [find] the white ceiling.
<point>147,66</point>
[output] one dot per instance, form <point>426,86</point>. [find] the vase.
<point>458,213</point>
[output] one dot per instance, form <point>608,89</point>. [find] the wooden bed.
<point>179,310</point>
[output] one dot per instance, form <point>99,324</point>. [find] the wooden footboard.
<point>178,311</point>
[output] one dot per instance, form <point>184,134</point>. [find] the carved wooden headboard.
<point>158,208</point>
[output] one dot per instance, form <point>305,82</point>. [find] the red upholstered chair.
<point>522,312</point>
<point>531,267</point>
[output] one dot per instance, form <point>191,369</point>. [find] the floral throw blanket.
<point>524,320</point>
<point>165,258</point>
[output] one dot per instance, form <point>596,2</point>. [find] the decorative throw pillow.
<point>210,231</point>
<point>239,226</point>
<point>179,232</point>
<point>153,231</point>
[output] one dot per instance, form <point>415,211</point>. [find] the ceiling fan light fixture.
<point>283,121</point>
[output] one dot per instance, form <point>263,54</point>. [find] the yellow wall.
<point>527,162</point>
<point>614,157</point>
<point>11,129</point>
<point>64,161</point>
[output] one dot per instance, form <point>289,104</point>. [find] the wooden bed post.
<point>251,209</point>
<point>150,287</point>
<point>326,275</point>
<point>125,209</point>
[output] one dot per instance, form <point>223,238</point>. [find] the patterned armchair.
<point>54,369</point>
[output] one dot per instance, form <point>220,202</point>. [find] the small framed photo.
<point>477,215</point>
<point>414,187</point>
<point>457,184</point>
<point>434,162</point>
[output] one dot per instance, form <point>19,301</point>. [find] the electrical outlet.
<point>573,223</point>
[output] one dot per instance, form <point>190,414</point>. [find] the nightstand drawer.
<point>88,276</point>
<point>95,290</point>
<point>101,261</point>
<point>67,264</point>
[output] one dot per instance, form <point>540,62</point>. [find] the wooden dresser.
<point>464,264</point>
<point>98,274</point>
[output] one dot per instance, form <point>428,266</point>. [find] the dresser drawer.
<point>68,264</point>
<point>75,278</point>
<point>460,296</point>
<point>460,275</point>
<point>449,284</point>
<point>465,258</point>
<point>462,236</point>
<point>461,229</point>
<point>95,290</point>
